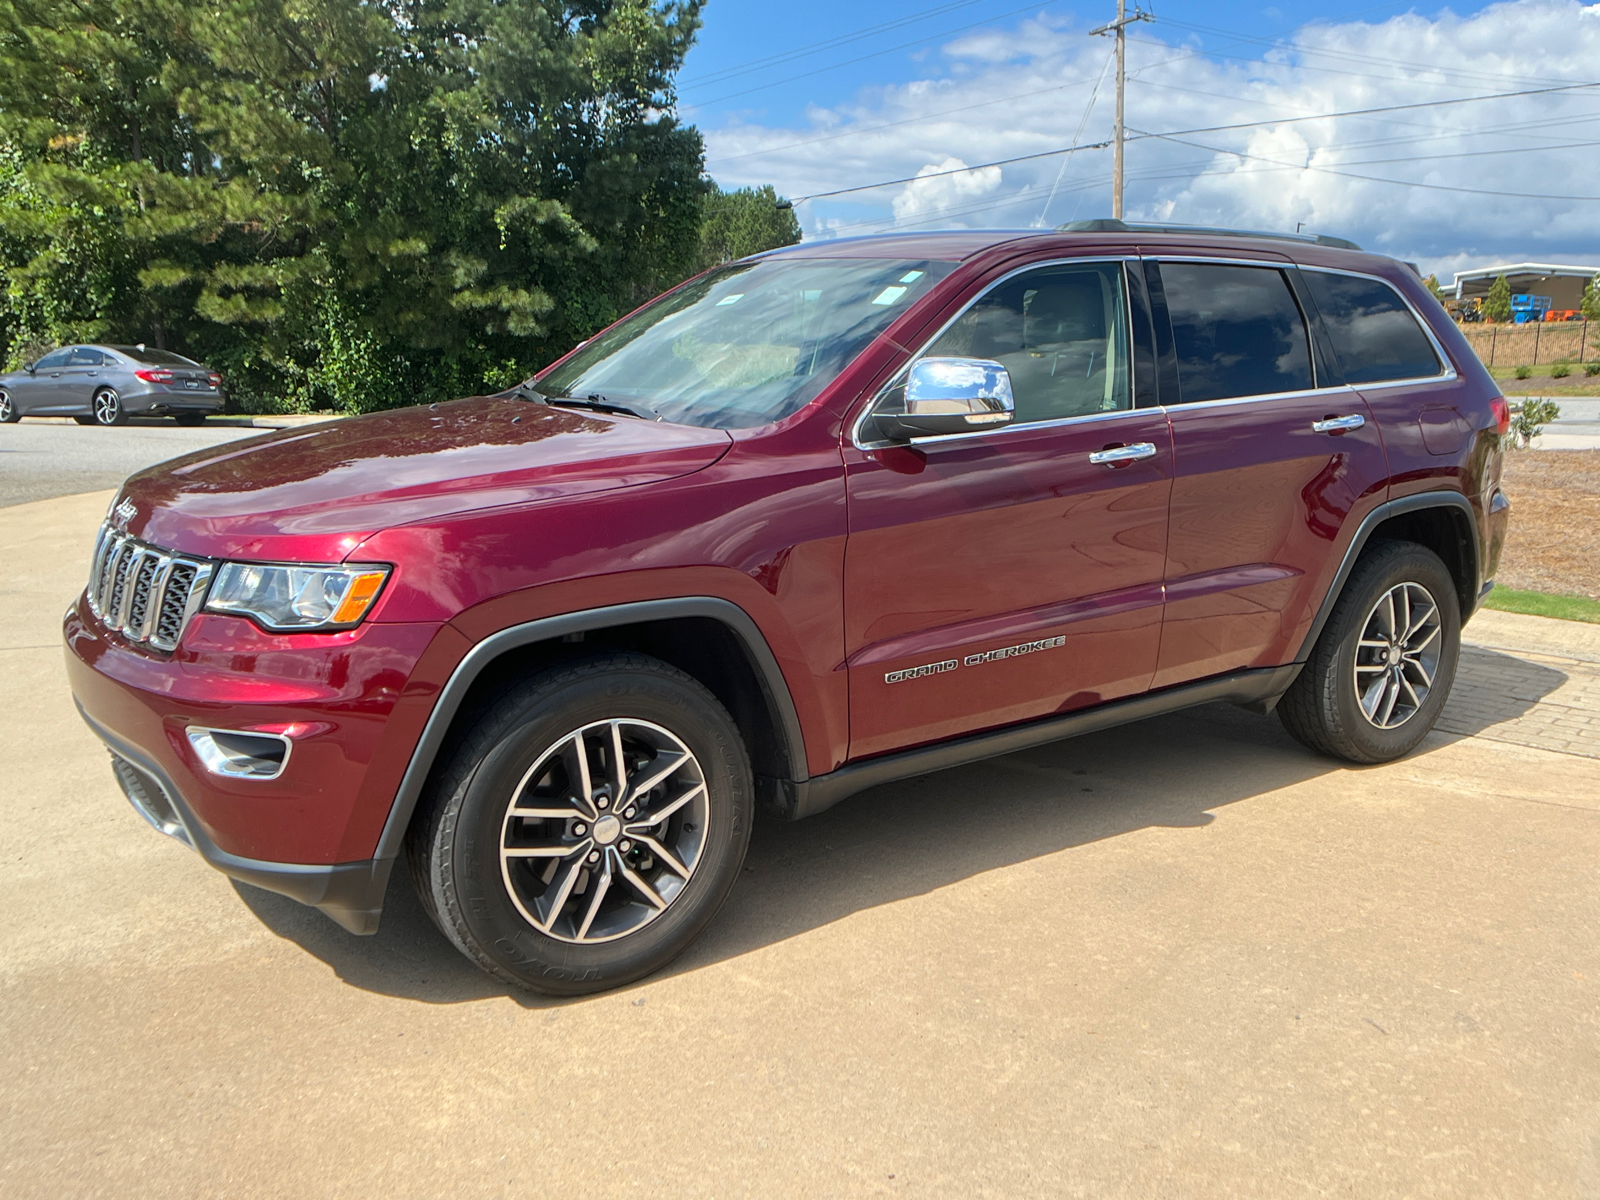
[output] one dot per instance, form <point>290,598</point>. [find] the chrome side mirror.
<point>948,395</point>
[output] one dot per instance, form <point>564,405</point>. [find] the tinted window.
<point>1238,331</point>
<point>161,357</point>
<point>1373,332</point>
<point>85,358</point>
<point>1061,333</point>
<point>56,358</point>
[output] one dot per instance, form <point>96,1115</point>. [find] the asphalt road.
<point>40,459</point>
<point>1184,958</point>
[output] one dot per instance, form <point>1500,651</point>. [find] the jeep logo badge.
<point>124,512</point>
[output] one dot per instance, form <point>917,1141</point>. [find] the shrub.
<point>1560,371</point>
<point>1530,419</point>
<point>1524,372</point>
<point>1591,369</point>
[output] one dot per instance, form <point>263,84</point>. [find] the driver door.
<point>1014,573</point>
<point>34,391</point>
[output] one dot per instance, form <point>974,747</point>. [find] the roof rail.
<point>1112,225</point>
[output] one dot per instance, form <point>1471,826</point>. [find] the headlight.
<point>296,599</point>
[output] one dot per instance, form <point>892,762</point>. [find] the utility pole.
<point>1119,27</point>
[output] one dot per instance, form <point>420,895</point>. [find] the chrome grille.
<point>143,592</point>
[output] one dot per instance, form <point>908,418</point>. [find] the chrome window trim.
<point>1447,375</point>
<point>921,352</point>
<point>1340,389</point>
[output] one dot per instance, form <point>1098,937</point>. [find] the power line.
<point>999,162</point>
<point>1432,187</point>
<point>1177,133</point>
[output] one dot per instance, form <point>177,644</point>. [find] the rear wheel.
<point>8,409</point>
<point>1381,671</point>
<point>108,410</point>
<point>588,827</point>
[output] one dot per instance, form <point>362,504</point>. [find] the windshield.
<point>745,344</point>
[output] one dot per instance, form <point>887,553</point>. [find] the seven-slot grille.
<point>143,592</point>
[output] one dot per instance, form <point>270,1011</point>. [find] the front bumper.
<point>353,703</point>
<point>349,893</point>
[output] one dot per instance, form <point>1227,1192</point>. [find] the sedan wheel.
<point>108,408</point>
<point>8,410</point>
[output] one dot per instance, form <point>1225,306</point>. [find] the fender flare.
<point>466,672</point>
<point>1383,512</point>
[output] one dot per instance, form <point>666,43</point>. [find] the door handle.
<point>1122,454</point>
<point>1338,424</point>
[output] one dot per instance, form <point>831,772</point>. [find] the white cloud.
<point>950,186</point>
<point>1001,93</point>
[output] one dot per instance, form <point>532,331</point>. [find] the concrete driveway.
<point>43,457</point>
<point>1183,958</point>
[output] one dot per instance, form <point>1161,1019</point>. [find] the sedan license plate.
<point>191,383</point>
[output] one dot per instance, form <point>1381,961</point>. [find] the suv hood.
<point>313,495</point>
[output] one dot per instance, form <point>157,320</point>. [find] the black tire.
<point>480,900</point>
<point>190,419</point>
<point>1323,708</point>
<point>108,408</point>
<point>8,409</point>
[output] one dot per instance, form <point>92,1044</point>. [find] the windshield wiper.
<point>601,403</point>
<point>593,401</point>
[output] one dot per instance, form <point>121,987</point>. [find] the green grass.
<point>1544,604</point>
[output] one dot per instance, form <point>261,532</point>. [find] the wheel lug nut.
<point>631,813</point>
<point>579,829</point>
<point>594,856</point>
<point>624,845</point>
<point>603,802</point>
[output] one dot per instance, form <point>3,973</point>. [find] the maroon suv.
<point>831,516</point>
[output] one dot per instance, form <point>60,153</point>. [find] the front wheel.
<point>8,409</point>
<point>1381,671</point>
<point>588,827</point>
<point>107,408</point>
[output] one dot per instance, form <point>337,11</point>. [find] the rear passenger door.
<point>1275,462</point>
<point>1424,407</point>
<point>78,380</point>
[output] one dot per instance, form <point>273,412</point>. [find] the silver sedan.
<point>105,385</point>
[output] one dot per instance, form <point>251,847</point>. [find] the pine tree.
<point>1497,305</point>
<point>743,222</point>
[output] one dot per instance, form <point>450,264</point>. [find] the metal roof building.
<point>1563,284</point>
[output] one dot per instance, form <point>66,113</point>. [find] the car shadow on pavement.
<point>893,842</point>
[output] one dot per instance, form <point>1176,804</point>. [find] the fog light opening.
<point>240,755</point>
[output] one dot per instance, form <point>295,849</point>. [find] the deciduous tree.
<point>338,202</point>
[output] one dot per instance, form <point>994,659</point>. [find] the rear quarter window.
<point>1372,329</point>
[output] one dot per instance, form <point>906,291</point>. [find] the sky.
<point>923,96</point>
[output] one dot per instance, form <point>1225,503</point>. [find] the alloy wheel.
<point>7,411</point>
<point>107,407</point>
<point>604,830</point>
<point>1397,656</point>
